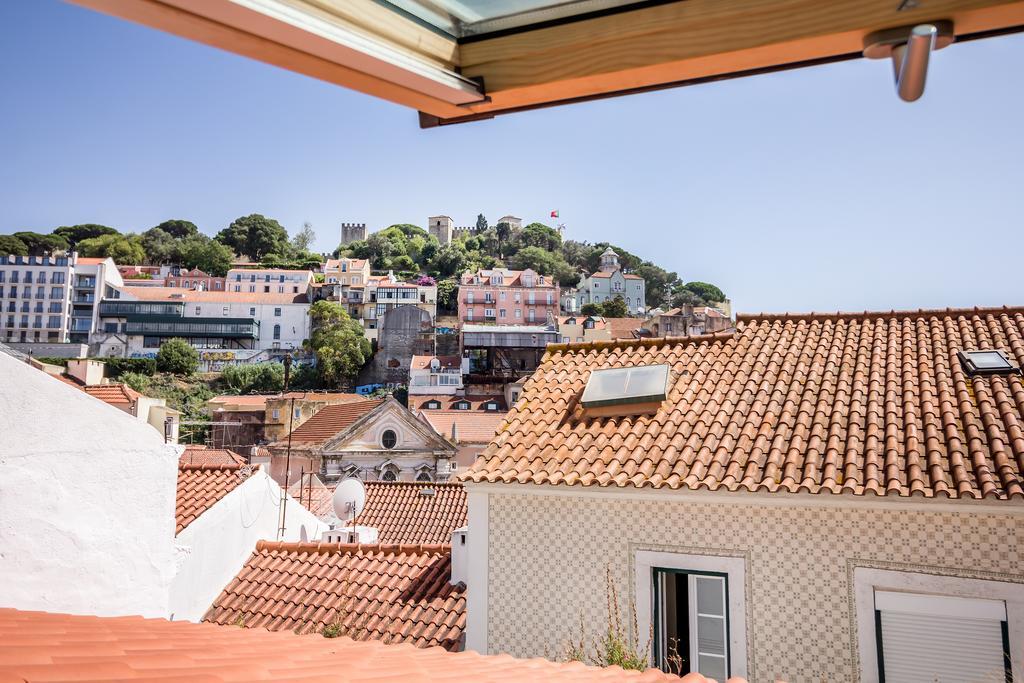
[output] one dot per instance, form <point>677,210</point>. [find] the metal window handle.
<point>910,49</point>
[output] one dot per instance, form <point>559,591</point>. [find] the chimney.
<point>88,372</point>
<point>455,432</point>
<point>460,556</point>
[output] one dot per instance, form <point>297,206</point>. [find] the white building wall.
<point>216,545</point>
<point>86,502</point>
<point>9,332</point>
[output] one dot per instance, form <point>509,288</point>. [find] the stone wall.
<point>402,333</point>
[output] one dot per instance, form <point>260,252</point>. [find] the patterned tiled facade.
<point>548,554</point>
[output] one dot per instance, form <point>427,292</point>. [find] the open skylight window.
<point>626,391</point>
<point>986,362</point>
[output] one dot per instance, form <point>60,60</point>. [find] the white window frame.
<point>866,581</point>
<point>734,568</point>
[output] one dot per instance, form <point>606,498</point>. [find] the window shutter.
<point>929,638</point>
<point>708,626</point>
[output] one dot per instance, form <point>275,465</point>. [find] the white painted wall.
<point>216,545</point>
<point>86,502</point>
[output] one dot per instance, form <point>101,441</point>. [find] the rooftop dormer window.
<point>462,405</point>
<point>432,405</point>
<point>987,362</point>
<point>625,391</point>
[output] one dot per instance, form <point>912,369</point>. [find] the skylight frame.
<point>658,374</point>
<point>969,362</point>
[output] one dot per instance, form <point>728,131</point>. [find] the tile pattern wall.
<point>548,554</point>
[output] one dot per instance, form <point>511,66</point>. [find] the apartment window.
<point>941,628</point>
<point>501,295</point>
<point>252,289</point>
<point>696,605</point>
<point>276,414</point>
<point>462,405</point>
<point>280,289</point>
<point>488,312</point>
<point>565,340</point>
<point>14,290</point>
<point>531,298</point>
<point>618,286</point>
<point>277,312</point>
<point>53,322</point>
<point>469,314</point>
<point>469,297</point>
<point>266,278</point>
<point>388,439</point>
<point>24,321</point>
<point>501,313</point>
<point>252,277</point>
<point>277,331</point>
<point>109,328</point>
<point>237,288</point>
<point>550,298</point>
<point>519,313</point>
<point>58,279</point>
<point>3,275</point>
<point>252,311</point>
<point>40,292</point>
<point>298,413</point>
<point>199,310</point>
<point>532,315</point>
<point>295,290</point>
<point>280,278</point>
<point>28,277</point>
<point>266,289</point>
<point>10,321</point>
<point>225,310</point>
<point>41,277</point>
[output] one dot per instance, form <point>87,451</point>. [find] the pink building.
<point>196,279</point>
<point>507,297</point>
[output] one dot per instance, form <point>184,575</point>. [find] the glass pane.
<point>712,667</point>
<point>474,17</point>
<point>711,595</point>
<point>988,360</point>
<point>711,635</point>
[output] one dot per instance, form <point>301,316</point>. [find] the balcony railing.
<point>81,324</point>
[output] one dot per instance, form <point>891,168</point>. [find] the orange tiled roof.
<point>330,420</point>
<point>200,487</point>
<point>204,455</point>
<point>205,296</point>
<point>62,647</point>
<point>401,514</point>
<point>423,362</point>
<point>258,402</point>
<point>623,328</point>
<point>394,593</point>
<point>115,394</point>
<point>91,260</point>
<point>843,403</point>
<point>472,426</point>
<point>448,401</point>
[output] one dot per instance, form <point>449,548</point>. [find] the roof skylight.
<point>642,387</point>
<point>986,362</point>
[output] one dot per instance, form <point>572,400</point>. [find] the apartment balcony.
<point>85,283</point>
<point>81,324</point>
<point>84,299</point>
<point>120,309</point>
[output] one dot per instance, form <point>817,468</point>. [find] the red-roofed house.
<point>608,282</point>
<point>437,374</point>
<point>507,297</point>
<point>852,482</point>
<point>372,440</point>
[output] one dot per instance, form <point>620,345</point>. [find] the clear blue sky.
<point>807,190</point>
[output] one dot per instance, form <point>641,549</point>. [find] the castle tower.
<point>442,228</point>
<point>352,232</point>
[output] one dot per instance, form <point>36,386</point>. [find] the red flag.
<point>554,214</point>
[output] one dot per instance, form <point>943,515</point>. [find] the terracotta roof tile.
<point>840,403</point>
<point>400,512</point>
<point>258,402</point>
<point>393,593</point>
<point>623,328</point>
<point>115,394</point>
<point>91,260</point>
<point>201,486</point>
<point>204,455</point>
<point>60,647</point>
<point>472,426</point>
<point>330,420</point>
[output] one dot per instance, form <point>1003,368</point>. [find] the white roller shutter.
<point>937,639</point>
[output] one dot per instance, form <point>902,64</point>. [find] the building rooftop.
<point>329,421</point>
<point>390,593</point>
<point>314,495</point>
<point>355,264</point>
<point>206,296</point>
<point>623,328</point>
<point>90,260</point>
<point>114,394</point>
<point>200,487</point>
<point>423,362</point>
<point>818,403</point>
<point>256,402</point>
<point>450,401</point>
<point>402,513</point>
<point>204,455</point>
<point>472,426</point>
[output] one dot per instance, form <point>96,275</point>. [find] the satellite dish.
<point>349,499</point>
<point>435,364</point>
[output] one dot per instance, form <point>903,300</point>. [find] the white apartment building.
<point>268,281</point>
<point>226,326</point>
<point>437,374</point>
<point>384,292</point>
<point>52,298</point>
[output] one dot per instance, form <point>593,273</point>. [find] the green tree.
<point>448,295</point>
<point>74,234</point>
<point>338,342</point>
<point>503,232</point>
<point>381,247</point>
<point>591,309</point>
<point>684,297</point>
<point>303,239</point>
<point>39,244</point>
<point>536,258</point>
<point>408,230</point>
<point>403,263</point>
<point>255,235</point>
<point>705,291</point>
<point>179,228</point>
<point>124,249</point>
<point>615,308</point>
<point>177,357</point>
<point>539,235</point>
<point>451,260</point>
<point>257,377</point>
<point>209,256</point>
<point>658,283</point>
<point>12,246</point>
<point>160,247</point>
